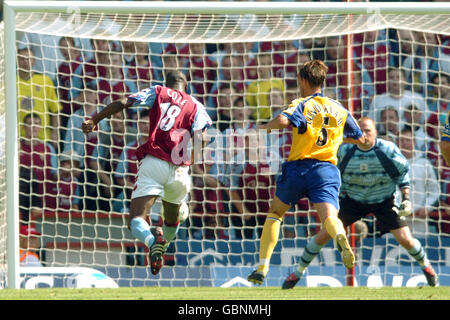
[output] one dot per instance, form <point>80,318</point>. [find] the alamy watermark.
<point>232,147</point>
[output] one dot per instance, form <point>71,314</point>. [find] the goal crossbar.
<point>217,7</point>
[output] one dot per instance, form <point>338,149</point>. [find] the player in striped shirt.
<point>371,172</point>
<point>320,126</point>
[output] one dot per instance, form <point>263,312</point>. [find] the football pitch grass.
<point>234,293</point>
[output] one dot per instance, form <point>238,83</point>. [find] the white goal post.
<point>214,22</point>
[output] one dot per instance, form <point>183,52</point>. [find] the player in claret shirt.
<point>164,162</point>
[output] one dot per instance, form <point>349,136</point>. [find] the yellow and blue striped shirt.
<point>322,124</point>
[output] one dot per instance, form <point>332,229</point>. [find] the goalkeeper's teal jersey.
<point>365,178</point>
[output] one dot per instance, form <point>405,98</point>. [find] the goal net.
<point>74,190</point>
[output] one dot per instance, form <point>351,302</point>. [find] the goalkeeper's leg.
<point>415,249</point>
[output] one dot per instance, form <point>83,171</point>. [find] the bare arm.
<point>355,141</point>
<point>112,108</point>
<point>280,122</point>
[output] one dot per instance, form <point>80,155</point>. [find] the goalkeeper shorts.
<point>158,177</point>
<point>318,180</point>
<point>387,218</point>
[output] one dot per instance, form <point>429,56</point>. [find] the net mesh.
<point>75,190</point>
<point>221,28</point>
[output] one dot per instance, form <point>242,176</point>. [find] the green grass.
<point>236,293</point>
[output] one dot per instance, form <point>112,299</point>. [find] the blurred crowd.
<point>399,78</point>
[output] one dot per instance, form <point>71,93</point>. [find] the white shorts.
<point>157,177</point>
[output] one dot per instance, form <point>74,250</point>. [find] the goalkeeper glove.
<point>405,208</point>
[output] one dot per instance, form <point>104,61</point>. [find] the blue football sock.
<point>141,230</point>
<point>298,274</point>
<point>312,249</point>
<point>418,253</point>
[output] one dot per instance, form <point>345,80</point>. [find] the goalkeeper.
<point>370,173</point>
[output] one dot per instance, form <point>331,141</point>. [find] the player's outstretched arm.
<point>112,108</point>
<point>355,141</point>
<point>280,122</point>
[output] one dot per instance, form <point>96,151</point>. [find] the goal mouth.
<point>241,62</point>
